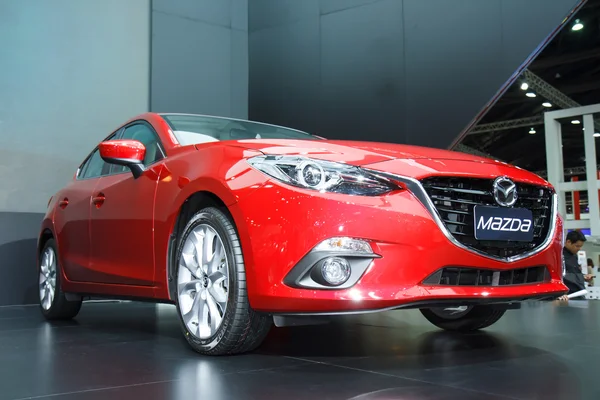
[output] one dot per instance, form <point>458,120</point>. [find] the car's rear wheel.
<point>464,318</point>
<point>212,300</point>
<point>53,301</point>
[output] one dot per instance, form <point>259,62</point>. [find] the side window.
<point>94,167</point>
<point>144,134</point>
<point>83,167</point>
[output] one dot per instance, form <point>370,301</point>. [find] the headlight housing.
<point>324,176</point>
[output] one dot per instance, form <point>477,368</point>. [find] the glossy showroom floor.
<point>136,351</point>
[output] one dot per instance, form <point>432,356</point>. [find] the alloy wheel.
<point>47,281</point>
<point>203,281</point>
<point>451,312</point>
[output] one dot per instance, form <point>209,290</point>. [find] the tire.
<point>237,329</point>
<point>472,319</point>
<point>53,301</point>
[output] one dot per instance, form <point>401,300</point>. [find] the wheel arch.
<point>193,203</point>
<point>46,233</point>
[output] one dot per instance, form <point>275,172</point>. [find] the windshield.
<point>196,129</point>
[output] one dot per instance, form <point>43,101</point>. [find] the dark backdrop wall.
<point>199,61</point>
<point>404,71</point>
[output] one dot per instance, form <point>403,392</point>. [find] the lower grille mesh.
<point>465,276</point>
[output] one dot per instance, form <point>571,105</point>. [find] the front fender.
<point>239,181</point>
<point>220,175</point>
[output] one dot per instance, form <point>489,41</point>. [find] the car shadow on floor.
<point>428,349</point>
<point>121,318</point>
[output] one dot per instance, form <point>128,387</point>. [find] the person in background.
<point>590,271</point>
<point>574,278</point>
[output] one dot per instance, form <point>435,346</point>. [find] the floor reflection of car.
<point>241,224</point>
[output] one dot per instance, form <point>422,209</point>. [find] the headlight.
<point>324,176</point>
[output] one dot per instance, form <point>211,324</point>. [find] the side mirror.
<point>129,153</point>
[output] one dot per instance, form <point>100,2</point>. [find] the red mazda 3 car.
<point>243,224</point>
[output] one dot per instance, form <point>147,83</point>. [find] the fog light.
<point>335,270</point>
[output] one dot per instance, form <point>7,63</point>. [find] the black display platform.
<point>136,351</point>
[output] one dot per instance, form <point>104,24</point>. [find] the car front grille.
<point>466,276</point>
<point>455,198</point>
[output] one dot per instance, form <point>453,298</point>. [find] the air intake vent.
<point>465,276</point>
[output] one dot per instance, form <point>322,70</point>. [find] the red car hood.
<point>354,153</point>
<point>399,159</point>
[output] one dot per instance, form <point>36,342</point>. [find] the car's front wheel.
<point>53,301</point>
<point>463,319</point>
<point>212,300</point>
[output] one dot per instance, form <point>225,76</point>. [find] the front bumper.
<point>279,226</point>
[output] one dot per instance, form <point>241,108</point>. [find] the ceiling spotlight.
<point>596,134</point>
<point>530,94</point>
<point>524,86</point>
<point>547,104</point>
<point>532,131</point>
<point>577,26</point>
<point>576,122</point>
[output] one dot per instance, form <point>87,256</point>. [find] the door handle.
<point>63,203</point>
<point>98,200</point>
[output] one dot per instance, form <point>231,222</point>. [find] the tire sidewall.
<point>213,218</point>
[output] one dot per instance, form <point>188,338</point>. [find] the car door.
<point>72,218</point>
<point>122,216</point>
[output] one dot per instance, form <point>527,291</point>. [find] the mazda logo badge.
<point>505,191</point>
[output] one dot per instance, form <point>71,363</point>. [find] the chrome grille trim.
<point>417,189</point>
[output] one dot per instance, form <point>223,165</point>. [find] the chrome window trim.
<point>420,193</point>
<point>236,119</point>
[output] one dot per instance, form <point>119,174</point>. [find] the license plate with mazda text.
<point>498,223</point>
